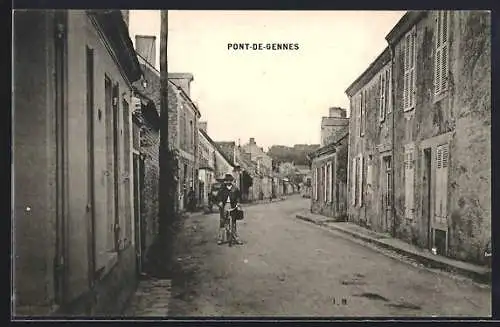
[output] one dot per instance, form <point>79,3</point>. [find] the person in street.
<point>192,199</point>
<point>228,195</point>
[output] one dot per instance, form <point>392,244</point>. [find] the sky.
<point>277,97</point>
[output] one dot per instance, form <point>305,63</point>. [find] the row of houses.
<point>86,134</point>
<point>415,153</point>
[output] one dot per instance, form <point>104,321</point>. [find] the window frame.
<point>441,45</point>
<point>409,69</point>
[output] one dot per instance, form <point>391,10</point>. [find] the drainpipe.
<point>393,111</point>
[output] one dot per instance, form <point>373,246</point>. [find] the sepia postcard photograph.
<point>173,164</point>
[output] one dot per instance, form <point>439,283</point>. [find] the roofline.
<point>111,23</point>
<point>216,146</point>
<point>382,59</point>
<point>157,73</point>
<point>409,19</point>
<point>329,148</point>
<point>186,97</point>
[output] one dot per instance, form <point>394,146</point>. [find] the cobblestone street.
<point>287,267</point>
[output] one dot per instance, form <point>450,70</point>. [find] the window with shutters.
<point>331,180</point>
<point>409,52</point>
<point>441,52</point>
<point>369,171</point>
<point>315,182</point>
<point>409,164</point>
<point>361,113</point>
<point>354,180</point>
<point>388,89</point>
<point>325,178</point>
<point>382,96</point>
<point>360,179</point>
<point>318,181</point>
<point>365,107</point>
<point>441,192</point>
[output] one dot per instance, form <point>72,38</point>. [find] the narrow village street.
<point>287,267</point>
<point>362,162</point>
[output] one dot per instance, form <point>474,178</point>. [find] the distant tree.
<point>296,154</point>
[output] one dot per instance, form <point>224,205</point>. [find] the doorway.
<point>426,195</point>
<point>90,167</point>
<point>139,237</point>
<point>60,83</point>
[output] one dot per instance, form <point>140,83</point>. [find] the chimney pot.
<point>182,80</point>
<point>337,112</point>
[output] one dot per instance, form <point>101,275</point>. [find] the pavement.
<point>478,273</point>
<point>289,267</point>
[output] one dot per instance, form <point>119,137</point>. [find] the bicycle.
<point>229,225</point>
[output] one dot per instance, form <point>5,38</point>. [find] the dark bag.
<point>238,214</point>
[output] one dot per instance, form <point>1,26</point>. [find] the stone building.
<point>427,155</point>
<point>73,229</point>
<point>330,125</point>
<point>329,175</point>
<point>264,168</point>
<point>370,150</point>
<point>146,142</point>
<point>183,133</point>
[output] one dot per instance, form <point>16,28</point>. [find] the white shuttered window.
<point>330,187</point>
<point>409,52</point>
<point>354,173</point>
<point>441,52</point>
<point>325,179</point>
<point>409,164</point>
<point>360,179</point>
<point>441,196</point>
<point>382,96</point>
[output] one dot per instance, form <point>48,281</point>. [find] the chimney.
<point>125,14</point>
<point>203,126</point>
<point>145,46</point>
<point>337,112</point>
<point>252,140</point>
<point>182,80</point>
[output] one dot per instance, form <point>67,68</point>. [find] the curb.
<point>427,261</point>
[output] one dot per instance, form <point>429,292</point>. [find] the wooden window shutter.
<point>413,63</point>
<point>441,60</point>
<point>332,178</point>
<point>444,181</point>
<point>361,112</point>
<point>353,181</point>
<point>360,186</point>
<point>318,177</point>
<point>411,179</point>
<point>388,83</point>
<point>444,51</point>
<point>325,172</point>
<point>359,109</point>
<point>441,192</point>
<point>382,96</point>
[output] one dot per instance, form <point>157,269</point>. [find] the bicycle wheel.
<point>230,226</point>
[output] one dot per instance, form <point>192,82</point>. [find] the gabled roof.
<point>409,19</point>
<point>172,84</point>
<point>116,32</point>
<point>331,147</point>
<point>217,148</point>
<point>381,60</point>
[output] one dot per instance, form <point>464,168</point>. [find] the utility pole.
<point>166,200</point>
